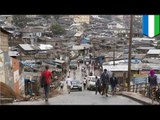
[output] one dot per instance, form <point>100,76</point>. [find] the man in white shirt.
<point>61,85</point>
<point>69,84</point>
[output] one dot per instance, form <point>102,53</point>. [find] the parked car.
<point>91,82</point>
<point>73,64</point>
<point>80,59</point>
<point>87,60</point>
<point>76,84</point>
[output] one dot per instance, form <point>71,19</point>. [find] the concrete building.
<point>81,19</point>
<point>2,71</point>
<point>115,25</point>
<point>4,40</point>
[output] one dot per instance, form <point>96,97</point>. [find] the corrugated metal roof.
<point>78,34</point>
<point>116,67</point>
<point>31,30</point>
<point>77,47</point>
<point>154,51</point>
<point>150,60</point>
<point>26,46</point>
<point>135,38</point>
<point>139,56</point>
<point>45,46</point>
<point>124,67</point>
<point>13,53</point>
<point>145,48</point>
<point>86,45</point>
<point>117,54</point>
<point>59,61</point>
<point>151,65</point>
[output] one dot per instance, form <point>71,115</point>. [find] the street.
<point>84,97</point>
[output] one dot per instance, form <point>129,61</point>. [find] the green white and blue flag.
<point>151,25</point>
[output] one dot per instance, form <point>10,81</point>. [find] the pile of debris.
<point>53,93</point>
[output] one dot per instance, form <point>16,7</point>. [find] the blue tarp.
<point>85,40</point>
<point>100,59</point>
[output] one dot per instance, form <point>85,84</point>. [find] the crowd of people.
<point>102,83</point>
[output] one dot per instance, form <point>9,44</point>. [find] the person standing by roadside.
<point>113,81</point>
<point>46,78</point>
<point>61,85</point>
<point>69,84</point>
<point>105,82</point>
<point>152,80</point>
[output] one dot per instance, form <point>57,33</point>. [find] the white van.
<point>91,82</point>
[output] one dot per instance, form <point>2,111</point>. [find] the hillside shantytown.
<point>77,48</point>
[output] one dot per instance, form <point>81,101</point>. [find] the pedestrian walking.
<point>152,80</point>
<point>90,74</point>
<point>74,74</point>
<point>98,85</point>
<point>105,82</point>
<point>84,72</point>
<point>69,84</point>
<point>61,85</point>
<point>82,69</point>
<point>113,81</point>
<point>84,83</point>
<point>46,81</point>
<point>69,72</point>
<point>78,63</point>
<point>30,91</point>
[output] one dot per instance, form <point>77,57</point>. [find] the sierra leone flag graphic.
<point>151,25</point>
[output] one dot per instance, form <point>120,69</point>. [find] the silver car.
<point>73,64</point>
<point>76,84</point>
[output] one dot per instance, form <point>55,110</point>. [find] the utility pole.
<point>114,45</point>
<point>129,54</point>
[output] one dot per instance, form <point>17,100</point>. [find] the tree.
<point>158,44</point>
<point>20,20</point>
<point>157,37</point>
<point>57,29</point>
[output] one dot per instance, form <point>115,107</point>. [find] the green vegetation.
<point>158,44</point>
<point>57,29</point>
<point>20,20</point>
